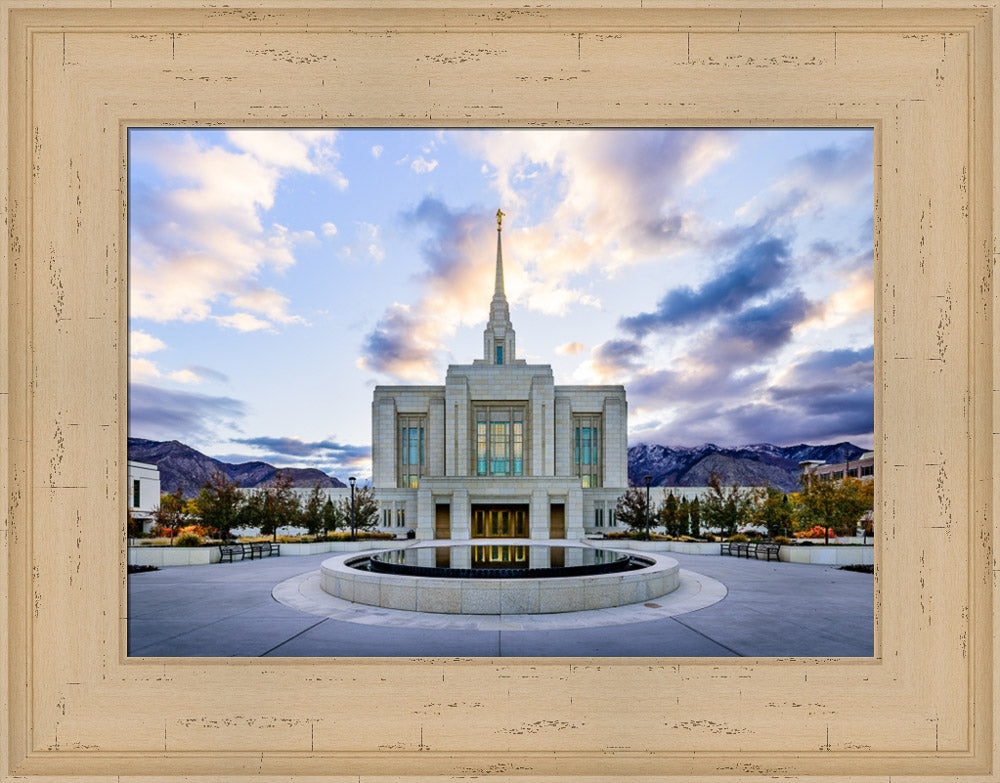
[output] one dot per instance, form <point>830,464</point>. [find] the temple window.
<point>500,440</point>
<point>411,449</point>
<point>586,449</point>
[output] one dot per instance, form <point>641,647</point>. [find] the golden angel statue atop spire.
<point>499,219</point>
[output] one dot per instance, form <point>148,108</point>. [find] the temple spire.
<point>498,338</point>
<point>498,289</point>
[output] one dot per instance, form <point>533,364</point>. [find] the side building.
<point>499,451</point>
<point>143,491</point>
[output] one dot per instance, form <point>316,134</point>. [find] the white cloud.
<point>141,370</point>
<point>377,151</point>
<point>423,166</point>
<point>144,370</point>
<point>139,342</point>
<point>243,322</point>
<point>329,230</point>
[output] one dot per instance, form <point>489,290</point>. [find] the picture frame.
<point>74,705</point>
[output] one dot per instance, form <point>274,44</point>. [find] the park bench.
<point>746,549</point>
<point>256,549</point>
<point>264,549</point>
<point>228,551</point>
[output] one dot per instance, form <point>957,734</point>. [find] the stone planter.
<point>166,556</point>
<point>828,555</point>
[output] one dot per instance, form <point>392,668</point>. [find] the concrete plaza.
<point>769,609</point>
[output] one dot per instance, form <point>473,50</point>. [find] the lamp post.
<point>647,479</point>
<point>352,480</point>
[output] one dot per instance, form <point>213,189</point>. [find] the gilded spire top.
<point>499,219</point>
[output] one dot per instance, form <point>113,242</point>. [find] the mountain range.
<point>756,464</point>
<point>184,467</point>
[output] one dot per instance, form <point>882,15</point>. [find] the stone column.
<point>461,515</point>
<point>436,437</point>
<point>425,514</point>
<point>538,514</point>
<point>384,443</point>
<point>574,513</point>
<point>563,446</point>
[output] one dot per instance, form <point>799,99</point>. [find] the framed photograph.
<point>922,80</point>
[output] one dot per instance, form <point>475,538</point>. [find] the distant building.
<point>499,450</point>
<point>861,468</point>
<point>144,492</point>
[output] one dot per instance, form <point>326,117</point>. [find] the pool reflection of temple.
<point>499,451</point>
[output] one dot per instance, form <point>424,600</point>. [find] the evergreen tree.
<point>311,516</point>
<point>333,516</point>
<point>365,509</point>
<point>668,514</point>
<point>694,510</point>
<point>684,518</point>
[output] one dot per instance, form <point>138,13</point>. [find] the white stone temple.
<point>499,450</point>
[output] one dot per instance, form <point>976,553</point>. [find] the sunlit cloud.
<point>139,342</point>
<point>570,349</point>
<point>198,243</point>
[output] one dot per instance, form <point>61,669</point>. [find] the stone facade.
<point>499,444</point>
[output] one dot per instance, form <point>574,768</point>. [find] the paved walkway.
<point>769,609</point>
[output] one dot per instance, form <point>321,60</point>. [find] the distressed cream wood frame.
<point>78,76</point>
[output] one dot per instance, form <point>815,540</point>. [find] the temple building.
<point>499,450</point>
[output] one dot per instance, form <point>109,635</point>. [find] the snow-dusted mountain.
<point>754,464</point>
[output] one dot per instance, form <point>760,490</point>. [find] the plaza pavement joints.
<point>769,609</point>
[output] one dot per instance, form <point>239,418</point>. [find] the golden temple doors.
<point>500,521</point>
<point>557,521</point>
<point>442,521</point>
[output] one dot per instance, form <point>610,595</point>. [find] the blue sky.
<point>725,277</point>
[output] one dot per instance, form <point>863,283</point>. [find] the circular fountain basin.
<point>499,576</point>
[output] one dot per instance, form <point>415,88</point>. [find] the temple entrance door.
<point>507,521</point>
<point>557,521</point>
<point>442,521</point>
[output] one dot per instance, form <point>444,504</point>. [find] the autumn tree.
<point>631,509</point>
<point>725,508</point>
<point>171,513</point>
<point>835,505</point>
<point>219,504</point>
<point>280,505</point>
<point>774,512</point>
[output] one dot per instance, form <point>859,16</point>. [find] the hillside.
<point>184,467</point>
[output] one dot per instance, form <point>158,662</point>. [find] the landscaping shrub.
<point>816,531</point>
<point>739,538</point>
<point>188,539</point>
<point>710,537</point>
<point>362,535</point>
<point>782,540</point>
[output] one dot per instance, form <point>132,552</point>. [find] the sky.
<point>725,277</point>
